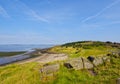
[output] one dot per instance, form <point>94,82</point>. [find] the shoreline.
<point>30,54</point>
<point>19,48</point>
<point>15,58</point>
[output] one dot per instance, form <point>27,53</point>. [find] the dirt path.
<point>45,58</point>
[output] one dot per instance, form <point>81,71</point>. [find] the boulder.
<point>87,64</point>
<point>75,63</point>
<point>50,69</point>
<point>98,61</point>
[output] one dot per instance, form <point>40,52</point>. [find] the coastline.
<point>8,57</point>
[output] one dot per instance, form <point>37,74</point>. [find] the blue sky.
<point>58,21</point>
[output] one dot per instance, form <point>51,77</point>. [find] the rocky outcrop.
<point>75,63</point>
<point>87,64</point>
<point>50,69</point>
<point>78,63</point>
<point>98,61</point>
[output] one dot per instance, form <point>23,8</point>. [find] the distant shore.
<point>11,57</point>
<point>7,54</point>
<point>22,47</point>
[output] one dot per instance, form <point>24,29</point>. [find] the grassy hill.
<point>87,48</point>
<point>29,73</point>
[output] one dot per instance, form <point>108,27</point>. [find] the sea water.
<point>21,47</point>
<point>13,48</point>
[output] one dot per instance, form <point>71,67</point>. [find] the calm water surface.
<point>18,47</point>
<point>10,48</point>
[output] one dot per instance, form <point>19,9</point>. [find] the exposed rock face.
<point>83,63</point>
<point>50,69</point>
<point>75,63</point>
<point>79,63</point>
<point>87,64</point>
<point>98,61</point>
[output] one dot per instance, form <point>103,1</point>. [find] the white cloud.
<point>32,13</point>
<point>100,12</point>
<point>57,15</point>
<point>37,17</point>
<point>3,12</point>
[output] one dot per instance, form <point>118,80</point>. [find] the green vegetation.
<point>30,74</point>
<point>105,75</point>
<point>20,74</point>
<point>2,54</point>
<point>86,48</point>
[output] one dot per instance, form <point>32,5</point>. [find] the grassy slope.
<point>106,75</point>
<point>20,74</point>
<point>2,54</point>
<point>29,73</point>
<point>85,49</point>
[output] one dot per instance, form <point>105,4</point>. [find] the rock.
<point>118,81</point>
<point>91,58</point>
<point>98,61</point>
<point>106,59</point>
<point>75,63</point>
<point>50,69</point>
<point>87,64</point>
<point>68,65</point>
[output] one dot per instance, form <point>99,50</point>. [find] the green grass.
<point>109,73</point>
<point>78,49</point>
<point>2,54</point>
<point>80,52</point>
<point>20,74</point>
<point>30,74</point>
<point>106,74</point>
<point>66,76</point>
